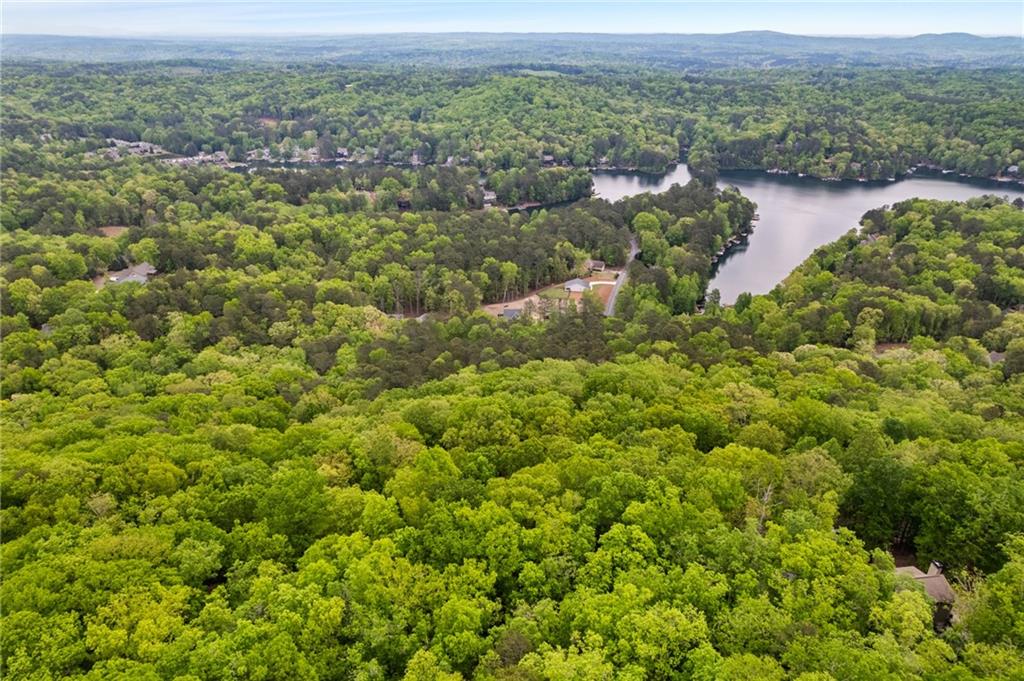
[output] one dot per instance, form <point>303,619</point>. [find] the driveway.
<point>634,248</point>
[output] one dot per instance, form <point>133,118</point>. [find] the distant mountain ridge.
<point>661,50</point>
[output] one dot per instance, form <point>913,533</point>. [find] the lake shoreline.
<point>797,214</point>
<point>923,169</point>
<point>917,171</point>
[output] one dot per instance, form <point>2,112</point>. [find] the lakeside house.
<point>136,148</point>
<point>219,158</point>
<point>118,149</point>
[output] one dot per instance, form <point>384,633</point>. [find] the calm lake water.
<point>797,214</point>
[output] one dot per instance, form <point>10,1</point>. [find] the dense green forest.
<point>239,470</point>
<point>136,193</point>
<point>217,232</point>
<point>845,123</point>
<point>257,424</point>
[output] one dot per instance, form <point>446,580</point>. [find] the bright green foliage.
<point>243,469</point>
<point>488,522</point>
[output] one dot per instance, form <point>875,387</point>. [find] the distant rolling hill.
<point>746,49</point>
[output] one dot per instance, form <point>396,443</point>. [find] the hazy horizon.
<point>228,36</point>
<point>223,19</point>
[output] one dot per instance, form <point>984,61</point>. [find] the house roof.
<point>934,582</point>
<point>577,284</point>
<point>136,273</point>
<point>511,313</point>
<point>910,571</point>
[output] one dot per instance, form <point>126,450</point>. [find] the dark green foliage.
<point>843,123</point>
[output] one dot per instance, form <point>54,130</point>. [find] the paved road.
<point>634,248</point>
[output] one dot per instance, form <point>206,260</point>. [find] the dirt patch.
<point>603,291</point>
<point>112,231</point>
<point>882,348</point>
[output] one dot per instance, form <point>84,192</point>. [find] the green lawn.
<point>553,293</point>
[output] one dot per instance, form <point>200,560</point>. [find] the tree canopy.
<point>257,426</point>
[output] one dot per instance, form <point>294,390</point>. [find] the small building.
<point>576,286</point>
<point>548,159</point>
<point>594,265</point>
<point>145,148</point>
<point>512,313</point>
<point>938,589</point>
<point>133,148</point>
<point>138,274</point>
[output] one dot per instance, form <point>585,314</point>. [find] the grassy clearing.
<point>553,293</point>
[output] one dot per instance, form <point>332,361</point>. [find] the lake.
<point>798,214</point>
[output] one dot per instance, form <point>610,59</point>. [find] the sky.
<point>232,17</point>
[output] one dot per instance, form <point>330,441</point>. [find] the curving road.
<point>634,248</point>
